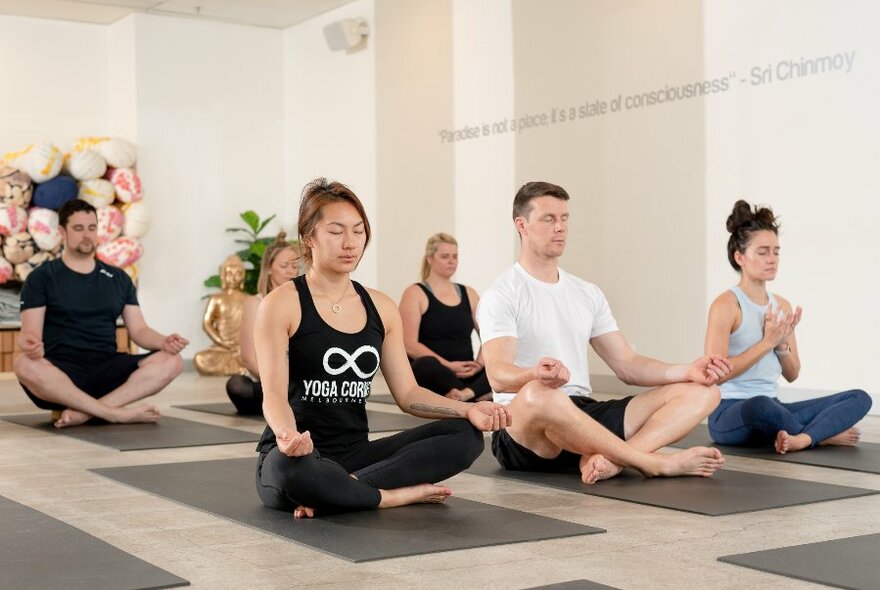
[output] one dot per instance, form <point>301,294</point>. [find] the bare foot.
<point>426,493</point>
<point>461,395</point>
<point>304,512</point>
<point>786,442</point>
<point>596,468</point>
<point>71,417</point>
<point>847,438</point>
<point>137,414</point>
<point>698,461</point>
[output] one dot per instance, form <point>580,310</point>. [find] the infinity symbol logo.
<point>350,361</point>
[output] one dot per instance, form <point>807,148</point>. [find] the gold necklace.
<point>333,305</point>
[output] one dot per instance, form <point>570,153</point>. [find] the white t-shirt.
<point>555,320</point>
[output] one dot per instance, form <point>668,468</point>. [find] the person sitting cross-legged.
<point>68,334</point>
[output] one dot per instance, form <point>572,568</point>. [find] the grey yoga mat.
<point>167,433</point>
<point>853,562</point>
<point>38,551</point>
<point>378,421</point>
<point>226,488</point>
<point>726,492</point>
<point>864,457</point>
<point>574,585</point>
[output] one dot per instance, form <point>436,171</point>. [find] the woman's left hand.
<point>471,369</point>
<point>489,416</point>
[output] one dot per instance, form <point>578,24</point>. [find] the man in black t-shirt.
<point>69,308</point>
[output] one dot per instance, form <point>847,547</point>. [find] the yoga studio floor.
<point>643,546</point>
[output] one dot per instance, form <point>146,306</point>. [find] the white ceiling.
<point>277,14</point>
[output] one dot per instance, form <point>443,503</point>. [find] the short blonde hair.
<point>431,248</point>
<point>271,253</point>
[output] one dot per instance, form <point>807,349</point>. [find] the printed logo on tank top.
<point>363,362</point>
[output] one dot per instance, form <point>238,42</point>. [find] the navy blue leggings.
<point>426,454</point>
<point>757,420</point>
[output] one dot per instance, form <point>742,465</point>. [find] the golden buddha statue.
<point>223,322</point>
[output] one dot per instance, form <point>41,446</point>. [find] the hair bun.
<point>742,215</point>
<point>281,237</point>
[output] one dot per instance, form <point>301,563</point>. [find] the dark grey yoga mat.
<point>574,585</point>
<point>378,421</point>
<point>226,488</point>
<point>167,433</point>
<point>726,492</point>
<point>852,563</point>
<point>38,551</point>
<point>865,457</point>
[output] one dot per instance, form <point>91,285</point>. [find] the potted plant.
<point>252,254</point>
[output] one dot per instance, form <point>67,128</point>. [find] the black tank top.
<point>447,329</point>
<point>331,373</point>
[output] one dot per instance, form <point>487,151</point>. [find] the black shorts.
<point>97,375</point>
<point>512,455</point>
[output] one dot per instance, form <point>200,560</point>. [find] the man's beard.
<point>85,248</point>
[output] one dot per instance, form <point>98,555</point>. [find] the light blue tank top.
<point>762,377</point>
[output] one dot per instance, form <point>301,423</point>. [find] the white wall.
<point>483,93</point>
<point>635,176</point>
<point>807,147</point>
<point>56,82</point>
<point>330,118</point>
<point>210,120</point>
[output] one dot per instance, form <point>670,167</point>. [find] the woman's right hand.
<point>777,326</point>
<point>461,368</point>
<point>295,444</point>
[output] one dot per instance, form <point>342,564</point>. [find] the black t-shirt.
<point>331,373</point>
<point>446,329</point>
<point>81,309</point>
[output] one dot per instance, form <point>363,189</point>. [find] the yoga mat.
<point>852,563</point>
<point>726,492</point>
<point>574,585</point>
<point>38,551</point>
<point>864,457</point>
<point>167,433</point>
<point>378,421</point>
<point>382,398</point>
<point>226,488</point>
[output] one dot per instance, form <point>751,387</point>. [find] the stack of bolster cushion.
<point>37,181</point>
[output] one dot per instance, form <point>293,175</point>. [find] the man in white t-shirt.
<point>536,322</point>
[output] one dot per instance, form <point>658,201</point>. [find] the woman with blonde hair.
<point>320,340</point>
<point>439,317</point>
<point>282,260</point>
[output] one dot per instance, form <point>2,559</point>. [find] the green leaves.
<point>252,220</point>
<point>252,253</point>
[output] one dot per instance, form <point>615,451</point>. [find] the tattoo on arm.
<point>434,410</point>
<point>287,356</point>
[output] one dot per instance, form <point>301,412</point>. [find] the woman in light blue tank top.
<point>756,330</point>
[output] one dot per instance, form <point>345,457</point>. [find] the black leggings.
<point>431,375</point>
<point>427,454</point>
<point>246,394</point>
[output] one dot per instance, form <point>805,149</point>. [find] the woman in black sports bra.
<point>439,317</point>
<point>327,336</point>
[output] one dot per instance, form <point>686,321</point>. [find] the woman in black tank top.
<point>439,317</point>
<point>326,336</point>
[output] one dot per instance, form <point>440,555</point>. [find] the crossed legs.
<point>49,383</point>
<point>547,422</point>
